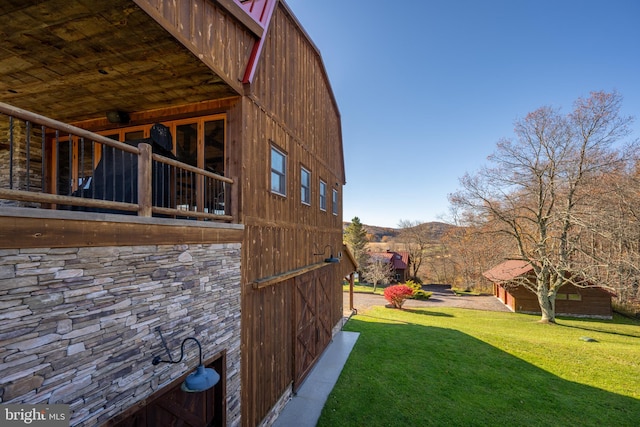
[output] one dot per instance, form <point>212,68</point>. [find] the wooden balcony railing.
<point>48,164</point>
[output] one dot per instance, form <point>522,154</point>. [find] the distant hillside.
<point>435,231</point>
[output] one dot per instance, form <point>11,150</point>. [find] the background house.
<point>251,193</point>
<point>570,300</point>
<point>399,262</point>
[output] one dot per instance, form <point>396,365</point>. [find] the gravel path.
<point>442,296</point>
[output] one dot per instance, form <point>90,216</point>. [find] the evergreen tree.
<point>355,237</point>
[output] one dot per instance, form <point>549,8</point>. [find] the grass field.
<point>457,367</point>
<point>365,288</point>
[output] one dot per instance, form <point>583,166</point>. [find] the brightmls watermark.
<point>34,415</point>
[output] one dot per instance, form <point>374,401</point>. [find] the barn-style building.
<point>168,170</point>
<point>399,262</point>
<point>571,300</point>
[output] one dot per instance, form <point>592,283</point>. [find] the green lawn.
<point>365,288</point>
<point>456,367</point>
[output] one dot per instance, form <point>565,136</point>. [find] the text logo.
<point>34,415</point>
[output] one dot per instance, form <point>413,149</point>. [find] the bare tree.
<point>378,270</point>
<point>416,240</point>
<point>472,250</point>
<point>537,189</point>
<point>613,231</point>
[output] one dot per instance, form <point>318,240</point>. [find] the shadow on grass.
<point>405,374</point>
<point>407,310</point>
<point>599,330</point>
<point>424,312</point>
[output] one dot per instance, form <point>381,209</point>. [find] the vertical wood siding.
<point>218,39</point>
<point>290,106</point>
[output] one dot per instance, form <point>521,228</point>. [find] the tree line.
<point>562,194</point>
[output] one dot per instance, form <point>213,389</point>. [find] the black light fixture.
<point>331,258</point>
<point>199,380</point>
<point>118,117</point>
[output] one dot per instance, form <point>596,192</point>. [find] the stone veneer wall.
<point>78,325</point>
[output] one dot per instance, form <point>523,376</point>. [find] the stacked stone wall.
<point>78,326</point>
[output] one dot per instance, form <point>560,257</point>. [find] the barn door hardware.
<point>199,380</point>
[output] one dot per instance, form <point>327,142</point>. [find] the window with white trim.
<point>334,201</point>
<point>323,195</point>
<point>278,172</point>
<point>305,186</point>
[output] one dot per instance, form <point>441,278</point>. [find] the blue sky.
<point>427,88</point>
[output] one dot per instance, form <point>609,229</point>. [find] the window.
<point>334,201</point>
<point>278,172</point>
<point>199,142</point>
<point>574,297</point>
<point>323,195</point>
<point>73,161</point>
<point>305,186</point>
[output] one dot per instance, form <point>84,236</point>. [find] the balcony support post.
<point>145,199</point>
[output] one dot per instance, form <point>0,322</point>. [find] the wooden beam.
<point>272,280</point>
<point>351,280</point>
<point>145,195</point>
<point>18,232</point>
<point>10,110</point>
<point>31,196</point>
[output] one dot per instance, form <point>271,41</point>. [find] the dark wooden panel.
<point>314,317</point>
<point>277,321</point>
<point>306,327</point>
<point>325,288</point>
<point>266,348</point>
<point>19,232</point>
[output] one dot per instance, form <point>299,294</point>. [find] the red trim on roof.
<point>261,12</point>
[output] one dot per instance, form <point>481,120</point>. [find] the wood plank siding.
<point>182,63</point>
<point>219,40</point>
<point>62,229</point>
<point>570,301</point>
<point>291,107</point>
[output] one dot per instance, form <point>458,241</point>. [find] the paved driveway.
<point>442,296</point>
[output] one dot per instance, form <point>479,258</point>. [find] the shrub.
<point>413,285</point>
<point>418,293</point>
<point>397,294</point>
<point>422,295</point>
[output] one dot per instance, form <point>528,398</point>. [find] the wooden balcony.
<point>47,164</point>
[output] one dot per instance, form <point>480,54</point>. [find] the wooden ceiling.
<point>76,60</point>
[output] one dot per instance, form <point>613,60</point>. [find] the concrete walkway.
<point>304,409</point>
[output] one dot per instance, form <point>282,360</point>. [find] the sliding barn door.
<point>312,321</point>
